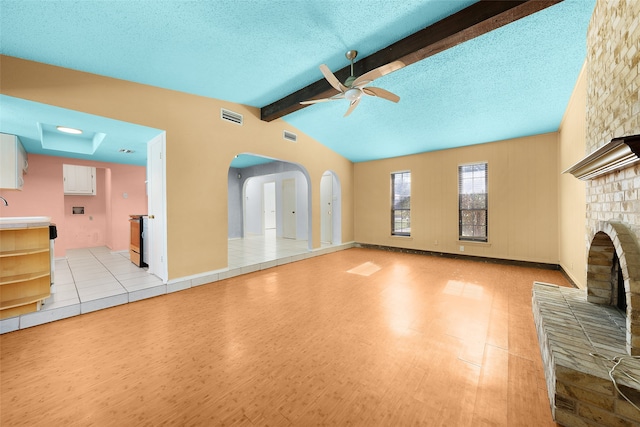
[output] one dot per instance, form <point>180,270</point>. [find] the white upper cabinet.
<point>79,180</point>
<point>13,162</point>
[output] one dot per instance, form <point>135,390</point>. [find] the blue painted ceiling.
<point>515,81</point>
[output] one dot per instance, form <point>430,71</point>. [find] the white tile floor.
<point>87,280</point>
<point>92,279</point>
<point>258,249</point>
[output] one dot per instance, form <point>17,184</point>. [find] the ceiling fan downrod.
<point>351,55</point>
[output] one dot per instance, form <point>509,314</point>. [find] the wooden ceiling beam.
<point>473,21</point>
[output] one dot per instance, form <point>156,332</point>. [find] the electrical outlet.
<point>461,248</point>
<point>435,242</point>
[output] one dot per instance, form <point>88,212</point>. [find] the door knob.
<point>151,216</point>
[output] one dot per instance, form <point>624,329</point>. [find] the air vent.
<point>230,116</point>
<point>290,136</point>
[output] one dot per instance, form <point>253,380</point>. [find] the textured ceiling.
<point>35,123</point>
<point>512,82</point>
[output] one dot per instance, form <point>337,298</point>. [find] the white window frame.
<point>468,216</point>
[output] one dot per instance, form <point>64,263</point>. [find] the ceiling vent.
<point>290,136</point>
<point>231,116</point>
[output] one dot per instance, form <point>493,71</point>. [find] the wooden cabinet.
<point>25,269</point>
<point>79,180</point>
<point>13,162</point>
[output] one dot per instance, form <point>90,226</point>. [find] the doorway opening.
<point>289,206</point>
<point>269,210</point>
<point>330,209</point>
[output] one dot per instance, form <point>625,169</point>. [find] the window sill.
<point>474,243</point>
<point>398,236</point>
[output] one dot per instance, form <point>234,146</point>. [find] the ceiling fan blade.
<point>381,93</point>
<point>315,101</point>
<point>352,107</point>
<point>333,80</point>
<point>370,76</point>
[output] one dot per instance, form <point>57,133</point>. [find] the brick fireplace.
<point>614,255</point>
<point>613,260</point>
<point>582,330</point>
<point>578,343</point>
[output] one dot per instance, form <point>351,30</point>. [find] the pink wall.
<point>106,218</point>
<point>89,229</point>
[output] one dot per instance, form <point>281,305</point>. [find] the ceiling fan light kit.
<point>354,87</point>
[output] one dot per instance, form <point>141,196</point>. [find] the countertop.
<point>24,222</point>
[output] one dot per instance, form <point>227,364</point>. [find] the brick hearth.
<point>570,331</point>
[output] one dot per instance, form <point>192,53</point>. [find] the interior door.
<point>157,208</point>
<point>269,205</point>
<point>289,223</point>
<point>326,208</point>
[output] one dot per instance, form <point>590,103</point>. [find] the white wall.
<point>234,201</point>
<point>253,189</point>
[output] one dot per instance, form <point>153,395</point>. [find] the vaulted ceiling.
<point>513,81</point>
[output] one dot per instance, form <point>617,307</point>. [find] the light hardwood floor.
<point>357,337</point>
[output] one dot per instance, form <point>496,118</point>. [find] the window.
<point>401,204</point>
<point>472,202</point>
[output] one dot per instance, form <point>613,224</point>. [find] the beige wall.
<point>523,200</point>
<point>571,192</point>
<point>200,148</point>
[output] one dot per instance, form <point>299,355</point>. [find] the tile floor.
<point>92,279</point>
<point>257,249</point>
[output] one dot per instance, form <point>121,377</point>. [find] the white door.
<point>269,205</point>
<point>156,207</point>
<point>326,208</point>
<point>289,209</point>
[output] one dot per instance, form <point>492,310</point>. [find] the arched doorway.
<point>257,184</point>
<point>330,209</point>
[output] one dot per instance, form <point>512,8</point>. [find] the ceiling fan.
<point>354,87</point>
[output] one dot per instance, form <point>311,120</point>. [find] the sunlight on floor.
<point>463,289</point>
<point>365,269</point>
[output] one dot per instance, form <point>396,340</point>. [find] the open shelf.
<point>23,277</point>
<point>19,252</point>
<point>25,269</point>
<point>4,305</point>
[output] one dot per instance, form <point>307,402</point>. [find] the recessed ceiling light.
<point>126,151</point>
<point>66,129</point>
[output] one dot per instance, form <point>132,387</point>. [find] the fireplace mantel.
<point>619,153</point>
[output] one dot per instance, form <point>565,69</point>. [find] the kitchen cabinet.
<point>25,269</point>
<point>79,180</point>
<point>13,162</point>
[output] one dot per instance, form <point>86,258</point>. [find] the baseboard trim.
<point>568,277</point>
<point>542,265</point>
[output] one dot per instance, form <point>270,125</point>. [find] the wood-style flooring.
<point>358,337</point>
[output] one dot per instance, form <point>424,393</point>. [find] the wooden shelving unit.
<point>21,252</point>
<point>25,269</point>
